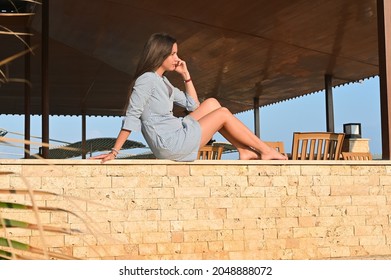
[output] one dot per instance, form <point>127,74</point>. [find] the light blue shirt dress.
<point>151,110</point>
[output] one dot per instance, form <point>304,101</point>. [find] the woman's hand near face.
<point>181,68</point>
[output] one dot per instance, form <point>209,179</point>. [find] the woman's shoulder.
<point>146,77</point>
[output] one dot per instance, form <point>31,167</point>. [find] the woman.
<point>151,105</point>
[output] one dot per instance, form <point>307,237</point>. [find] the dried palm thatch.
<point>9,9</point>
<point>11,247</point>
<point>92,145</point>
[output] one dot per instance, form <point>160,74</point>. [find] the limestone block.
<point>159,170</point>
<point>358,145</point>
<point>369,200</point>
<point>125,182</point>
<point>25,182</point>
<point>273,201</point>
<point>145,192</point>
<point>168,248</point>
<point>191,181</point>
<point>170,181</point>
<point>264,170</point>
<point>147,249</point>
<point>215,181</point>
<point>128,171</point>
<point>175,203</point>
<point>168,214</point>
<point>199,236</point>
<point>15,169</point>
<point>178,170</point>
<point>85,170</point>
<point>279,181</point>
<point>215,246</point>
<point>313,170</point>
<point>259,181</point>
<point>219,170</point>
<point>4,181</point>
<point>287,222</point>
<point>350,190</point>
<point>372,240</point>
<point>235,181</point>
<point>43,170</point>
<point>54,241</point>
<point>233,246</point>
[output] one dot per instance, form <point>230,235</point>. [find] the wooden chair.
<point>278,145</point>
<point>317,145</point>
<point>210,152</point>
<point>356,156</point>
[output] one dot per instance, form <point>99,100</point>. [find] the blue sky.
<point>353,103</point>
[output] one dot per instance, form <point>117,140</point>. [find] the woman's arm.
<point>190,89</point>
<point>122,137</point>
<point>142,91</point>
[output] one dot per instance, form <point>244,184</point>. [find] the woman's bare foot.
<point>269,154</point>
<point>248,154</point>
<point>272,154</point>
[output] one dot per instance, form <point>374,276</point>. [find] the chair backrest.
<point>317,145</point>
<point>278,145</point>
<point>356,156</point>
<point>210,152</point>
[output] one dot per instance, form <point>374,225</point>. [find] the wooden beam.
<point>257,125</point>
<point>384,45</point>
<point>45,77</point>
<point>83,136</point>
<point>27,98</point>
<point>328,79</point>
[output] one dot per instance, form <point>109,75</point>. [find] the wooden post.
<point>45,77</point>
<point>257,126</point>
<point>329,103</point>
<point>384,45</point>
<point>83,136</point>
<point>27,99</point>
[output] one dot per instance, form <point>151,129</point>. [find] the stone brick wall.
<point>206,209</point>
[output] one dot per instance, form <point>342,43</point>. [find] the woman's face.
<point>172,60</point>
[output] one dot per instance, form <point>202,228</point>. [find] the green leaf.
<point>13,223</point>
<point>6,254</point>
<point>25,225</point>
<point>33,250</point>
<point>14,244</point>
<point>11,205</point>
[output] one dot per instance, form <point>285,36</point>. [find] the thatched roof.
<point>92,145</point>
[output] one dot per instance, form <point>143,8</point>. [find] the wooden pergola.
<point>247,54</point>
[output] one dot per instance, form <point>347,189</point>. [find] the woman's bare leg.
<point>205,108</point>
<point>212,118</point>
<point>208,106</point>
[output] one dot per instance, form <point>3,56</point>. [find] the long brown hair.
<point>156,50</point>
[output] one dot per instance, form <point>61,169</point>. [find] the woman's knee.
<point>217,106</point>
<point>225,111</point>
<point>212,102</point>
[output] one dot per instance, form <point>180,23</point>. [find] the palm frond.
<point>15,33</point>
<point>23,247</point>
<point>19,206</point>
<point>29,49</point>
<point>33,1</point>
<point>5,255</point>
<point>16,80</point>
<point>17,55</point>
<point>13,246</point>
<point>10,223</point>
